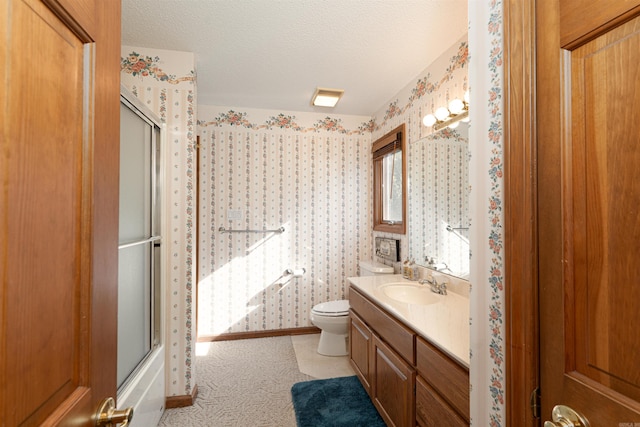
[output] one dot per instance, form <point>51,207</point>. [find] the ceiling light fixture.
<point>324,97</point>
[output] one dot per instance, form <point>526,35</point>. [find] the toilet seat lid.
<point>332,308</point>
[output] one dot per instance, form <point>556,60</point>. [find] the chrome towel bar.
<point>223,230</point>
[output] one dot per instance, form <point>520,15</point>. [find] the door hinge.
<point>534,401</point>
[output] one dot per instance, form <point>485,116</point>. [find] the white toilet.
<point>332,317</point>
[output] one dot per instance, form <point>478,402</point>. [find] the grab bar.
<point>140,242</point>
<point>223,230</point>
<point>450,228</point>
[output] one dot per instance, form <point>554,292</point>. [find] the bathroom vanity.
<point>410,350</point>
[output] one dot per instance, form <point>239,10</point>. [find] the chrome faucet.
<point>442,288</point>
<point>438,288</point>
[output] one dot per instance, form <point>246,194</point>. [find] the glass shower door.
<point>139,241</point>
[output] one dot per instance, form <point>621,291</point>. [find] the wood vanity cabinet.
<point>379,347</point>
<point>410,381</point>
<point>442,388</point>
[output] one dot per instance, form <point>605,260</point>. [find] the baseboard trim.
<point>259,334</point>
<point>181,401</point>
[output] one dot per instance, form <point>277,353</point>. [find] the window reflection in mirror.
<point>389,182</point>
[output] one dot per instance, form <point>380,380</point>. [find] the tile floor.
<point>317,365</point>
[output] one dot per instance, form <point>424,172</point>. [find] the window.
<point>389,182</point>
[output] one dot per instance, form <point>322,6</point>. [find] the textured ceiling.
<point>272,54</point>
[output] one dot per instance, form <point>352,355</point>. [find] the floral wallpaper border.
<point>146,66</point>
<point>421,88</point>
<point>424,87</point>
<point>488,370</point>
<point>283,121</point>
<point>496,236</point>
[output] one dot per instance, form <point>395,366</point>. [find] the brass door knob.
<point>108,416</point>
<point>563,416</point>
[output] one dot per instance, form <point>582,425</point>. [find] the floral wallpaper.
<point>488,368</point>
<point>299,171</point>
<point>439,199</point>
<point>165,81</point>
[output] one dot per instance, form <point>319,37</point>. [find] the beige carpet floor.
<point>248,382</point>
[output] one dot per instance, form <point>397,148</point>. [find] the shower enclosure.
<point>140,371</point>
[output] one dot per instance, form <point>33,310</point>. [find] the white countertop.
<point>444,324</point>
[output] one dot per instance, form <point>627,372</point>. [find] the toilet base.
<point>333,344</point>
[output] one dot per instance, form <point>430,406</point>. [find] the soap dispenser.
<point>405,268</point>
<point>416,271</point>
<point>410,271</point>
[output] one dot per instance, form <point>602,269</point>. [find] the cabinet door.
<point>446,376</point>
<point>360,349</point>
<point>432,410</point>
<point>393,382</point>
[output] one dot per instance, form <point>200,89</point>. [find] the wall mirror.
<point>389,182</point>
<point>439,201</point>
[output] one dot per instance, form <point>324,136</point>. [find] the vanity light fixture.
<point>324,97</point>
<point>457,111</point>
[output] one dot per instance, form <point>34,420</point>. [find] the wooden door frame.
<point>520,203</point>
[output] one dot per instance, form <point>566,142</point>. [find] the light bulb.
<point>429,120</point>
<point>466,97</point>
<point>454,125</point>
<point>442,113</point>
<point>456,106</point>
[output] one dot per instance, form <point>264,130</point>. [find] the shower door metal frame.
<point>154,358</point>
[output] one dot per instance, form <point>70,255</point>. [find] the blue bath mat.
<point>334,402</point>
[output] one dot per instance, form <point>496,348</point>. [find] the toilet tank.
<point>372,268</point>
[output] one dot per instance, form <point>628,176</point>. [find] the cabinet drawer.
<point>446,376</point>
<point>432,410</point>
<point>396,334</point>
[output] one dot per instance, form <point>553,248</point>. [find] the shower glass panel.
<point>139,240</point>
<point>134,307</point>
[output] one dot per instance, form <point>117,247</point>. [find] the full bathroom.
<point>271,211</point>
<point>308,213</point>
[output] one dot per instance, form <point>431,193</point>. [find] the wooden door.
<point>58,209</point>
<point>588,97</point>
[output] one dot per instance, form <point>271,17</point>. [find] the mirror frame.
<point>385,144</point>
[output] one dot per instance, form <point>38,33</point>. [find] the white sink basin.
<point>411,294</point>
